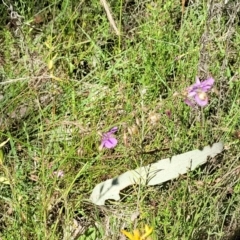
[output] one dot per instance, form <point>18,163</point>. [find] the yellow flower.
<point>137,235</point>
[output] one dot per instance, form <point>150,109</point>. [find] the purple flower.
<point>197,93</point>
<point>108,139</point>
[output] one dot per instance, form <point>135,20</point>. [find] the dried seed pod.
<point>237,134</point>
<point>138,122</point>
<point>125,139</point>
<point>133,130</point>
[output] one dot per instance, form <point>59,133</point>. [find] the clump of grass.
<point>66,77</point>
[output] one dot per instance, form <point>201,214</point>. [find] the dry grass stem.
<point>109,16</point>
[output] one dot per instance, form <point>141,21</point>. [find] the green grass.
<point>66,77</point>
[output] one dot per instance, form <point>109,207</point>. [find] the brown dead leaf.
<point>125,139</point>
<point>237,134</point>
<point>34,178</point>
<point>38,19</point>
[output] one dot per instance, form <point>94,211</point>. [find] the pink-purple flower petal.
<point>108,139</point>
<point>197,93</point>
<point>192,94</point>
<point>189,102</point>
<point>113,130</point>
<point>207,84</point>
<point>201,102</point>
<point>198,82</point>
<point>110,143</point>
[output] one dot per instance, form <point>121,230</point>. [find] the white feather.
<point>153,174</point>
